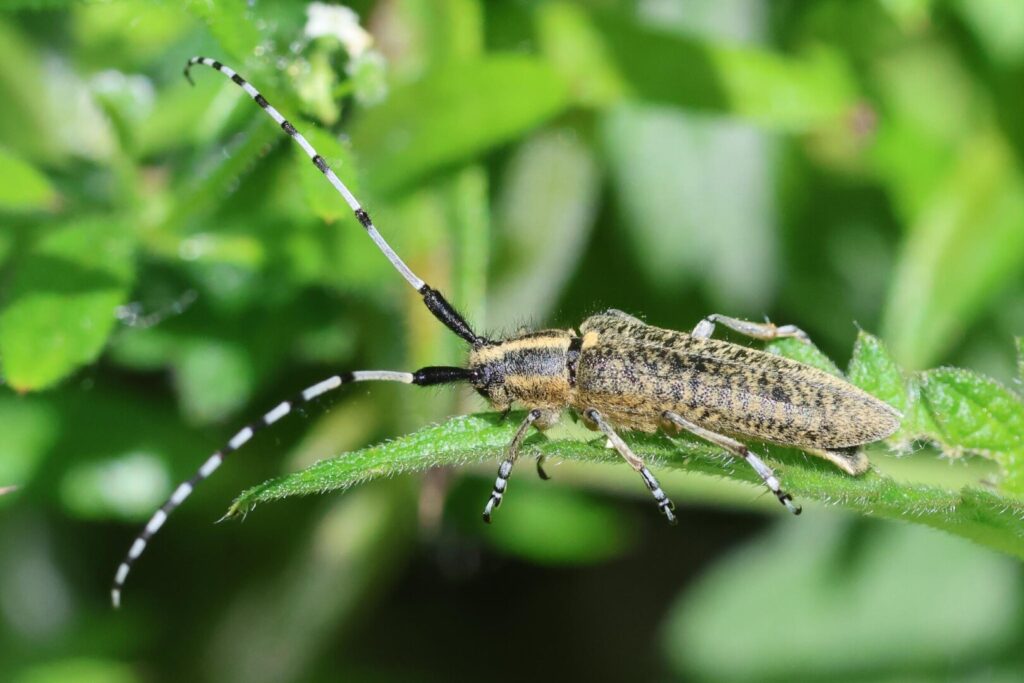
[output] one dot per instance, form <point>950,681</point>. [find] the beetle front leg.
<point>763,331</point>
<point>635,461</point>
<point>511,454</point>
<point>738,449</point>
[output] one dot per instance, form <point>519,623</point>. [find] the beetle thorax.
<point>534,369</point>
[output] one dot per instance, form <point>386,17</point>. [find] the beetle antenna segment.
<point>422,377</point>
<point>434,300</point>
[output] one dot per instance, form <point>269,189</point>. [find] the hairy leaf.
<point>971,512</point>
<point>968,412</point>
<point>957,410</point>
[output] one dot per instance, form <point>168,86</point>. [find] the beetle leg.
<point>540,468</point>
<point>635,461</point>
<point>505,468</point>
<point>764,331</point>
<point>850,460</point>
<point>740,450</point>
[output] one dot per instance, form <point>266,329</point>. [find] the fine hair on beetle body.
<point>616,372</point>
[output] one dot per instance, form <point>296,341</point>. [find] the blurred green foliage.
<point>170,266</point>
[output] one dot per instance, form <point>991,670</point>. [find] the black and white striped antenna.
<point>433,300</point>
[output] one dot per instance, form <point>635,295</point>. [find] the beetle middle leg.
<point>738,449</point>
<point>763,331</point>
<point>635,461</point>
<point>541,472</point>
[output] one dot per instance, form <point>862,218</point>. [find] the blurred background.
<point>172,266</point>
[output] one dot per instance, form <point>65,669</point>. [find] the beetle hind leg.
<point>738,449</point>
<point>850,460</point>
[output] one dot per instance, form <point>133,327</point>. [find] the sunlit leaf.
<point>452,115</point>
<point>957,410</point>
<point>127,487</point>
<point>676,173</point>
<point>795,94</point>
<point>1020,357</point>
<point>873,369</point>
<point>23,186</point>
<point>230,21</point>
<point>967,244</point>
<point>214,379</point>
<point>977,414</point>
<point>545,212</point>
<point>809,354</point>
<point>998,25</point>
<point>82,670</point>
<point>26,121</point>
<point>836,584</point>
<point>577,50</point>
<point>30,428</point>
<point>59,308</point>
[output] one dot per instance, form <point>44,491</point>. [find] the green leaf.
<point>454,115</point>
<point>546,209</point>
<point>666,163</point>
<point>873,369</point>
<point>30,429</point>
<point>973,227</point>
<point>23,187</point>
<point>27,122</point>
<point>82,670</point>
<point>957,410</point>
<point>60,306</point>
<point>972,513</point>
<point>1020,357</point>
<point>808,354</point>
<point>857,602</point>
<point>978,415</point>
<point>792,94</point>
<point>997,25</point>
<point>214,379</point>
<point>127,487</point>
<point>13,5</point>
<point>230,23</point>
<point>576,49</point>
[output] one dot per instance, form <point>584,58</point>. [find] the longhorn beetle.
<point>616,372</point>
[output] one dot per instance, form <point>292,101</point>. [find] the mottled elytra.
<point>617,373</point>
